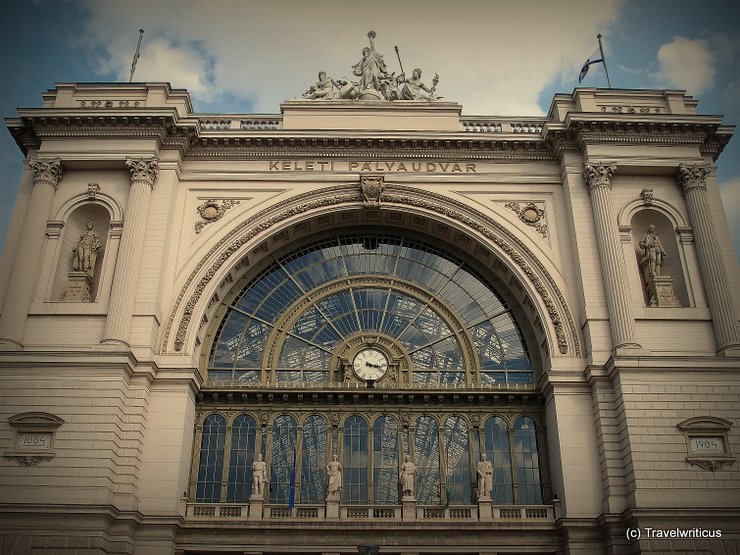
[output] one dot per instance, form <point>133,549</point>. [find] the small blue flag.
<point>291,494</point>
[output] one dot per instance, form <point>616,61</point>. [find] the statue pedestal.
<point>408,508</point>
<point>78,288</point>
<point>661,292</point>
<point>332,508</point>
<point>256,503</point>
<point>484,509</point>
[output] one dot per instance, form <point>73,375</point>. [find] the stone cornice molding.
<point>143,170</point>
<point>598,174</point>
<point>692,176</point>
<point>46,170</point>
<point>519,255</point>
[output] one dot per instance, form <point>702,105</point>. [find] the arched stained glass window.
<point>210,468</point>
<point>385,460</point>
<point>243,434</point>
<point>527,461</point>
<point>355,463</point>
<point>313,460</point>
<point>498,451</point>
<point>282,458</point>
<point>418,296</point>
<point>426,449</point>
<point>457,461</point>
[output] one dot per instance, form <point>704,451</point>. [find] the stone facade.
<point>105,401</point>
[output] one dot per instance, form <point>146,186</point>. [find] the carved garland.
<point>357,197</point>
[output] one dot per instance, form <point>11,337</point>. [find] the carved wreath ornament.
<point>212,210</point>
<point>530,214</point>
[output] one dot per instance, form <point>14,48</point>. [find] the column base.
<point>408,510</point>
<point>485,512</point>
<point>256,504</point>
<point>661,292</point>
<point>332,509</point>
<point>79,288</point>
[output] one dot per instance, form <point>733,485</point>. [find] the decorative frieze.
<point>213,210</point>
<point>109,104</point>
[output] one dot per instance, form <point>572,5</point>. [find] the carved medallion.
<point>530,214</point>
<point>212,210</point>
<point>372,188</point>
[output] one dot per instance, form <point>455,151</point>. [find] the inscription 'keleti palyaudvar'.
<point>383,167</point>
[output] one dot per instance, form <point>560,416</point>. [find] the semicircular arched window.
<point>308,314</point>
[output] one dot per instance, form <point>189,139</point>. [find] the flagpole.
<point>136,56</point>
<point>603,60</point>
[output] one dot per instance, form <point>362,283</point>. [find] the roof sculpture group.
<point>374,83</point>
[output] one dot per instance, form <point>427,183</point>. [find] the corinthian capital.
<point>46,170</point>
<point>692,176</point>
<point>143,169</point>
<point>599,175</point>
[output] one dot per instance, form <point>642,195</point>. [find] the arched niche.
<point>74,225</point>
<point>672,261</point>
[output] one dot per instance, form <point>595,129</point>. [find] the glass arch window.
<point>210,469</point>
<point>355,465</point>
<point>283,458</point>
<point>457,461</point>
<point>527,461</point>
<point>385,460</point>
<point>496,437</point>
<point>243,435</point>
<point>313,460</point>
<point>320,323</point>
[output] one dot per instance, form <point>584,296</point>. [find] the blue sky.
<point>493,57</point>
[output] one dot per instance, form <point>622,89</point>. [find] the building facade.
<point>368,321</point>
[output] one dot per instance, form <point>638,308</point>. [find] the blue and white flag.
<point>291,493</point>
<point>594,58</point>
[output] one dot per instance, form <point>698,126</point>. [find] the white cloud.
<point>492,57</point>
<point>686,64</point>
<point>730,193</point>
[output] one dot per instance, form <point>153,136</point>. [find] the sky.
<point>494,57</point>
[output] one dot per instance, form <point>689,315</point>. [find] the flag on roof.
<point>595,58</point>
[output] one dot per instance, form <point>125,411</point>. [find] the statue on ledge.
<point>653,253</point>
<point>334,474</point>
<point>375,82</point>
<point>407,477</point>
<point>484,471</point>
<point>85,252</point>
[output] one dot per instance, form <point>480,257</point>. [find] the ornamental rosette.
<point>48,170</point>
<point>599,175</point>
<point>692,176</point>
<point>143,169</point>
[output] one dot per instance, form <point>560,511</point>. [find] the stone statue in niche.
<point>659,286</point>
<point>85,252</point>
<point>484,471</point>
<point>334,473</point>
<point>259,476</point>
<point>653,253</point>
<point>407,477</point>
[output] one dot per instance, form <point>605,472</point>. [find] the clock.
<point>370,364</point>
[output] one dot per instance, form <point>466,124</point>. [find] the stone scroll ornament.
<point>373,81</point>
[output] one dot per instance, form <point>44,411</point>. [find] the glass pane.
<point>385,461</point>
<point>426,449</point>
<point>457,461</point>
<point>497,449</point>
<point>211,465</point>
<point>297,354</point>
<point>282,458</point>
<point>313,460</point>
<point>243,434</point>
<point>527,461</point>
<point>355,461</point>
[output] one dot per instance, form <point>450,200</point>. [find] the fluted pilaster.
<point>27,262</point>
<point>716,285</point>
<point>123,293</point>
<point>621,320</point>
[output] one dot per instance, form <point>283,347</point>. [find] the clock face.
<point>370,364</point>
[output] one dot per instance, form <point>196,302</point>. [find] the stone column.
<point>721,306</point>
<point>621,320</point>
<point>27,262</point>
<point>123,292</point>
